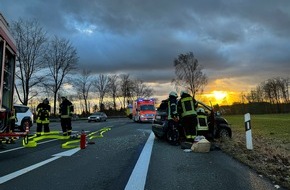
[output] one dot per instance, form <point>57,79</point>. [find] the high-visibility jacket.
<point>66,109</point>
<point>187,106</point>
<point>172,108</point>
<point>42,113</point>
<point>202,122</point>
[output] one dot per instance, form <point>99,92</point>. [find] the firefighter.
<point>42,117</point>
<point>188,117</point>
<point>172,134</point>
<point>66,110</point>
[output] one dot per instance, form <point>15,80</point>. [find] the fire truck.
<point>143,110</point>
<point>8,52</point>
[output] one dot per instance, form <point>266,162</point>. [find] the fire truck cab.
<point>143,110</point>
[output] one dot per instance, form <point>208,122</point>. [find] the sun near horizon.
<point>219,97</point>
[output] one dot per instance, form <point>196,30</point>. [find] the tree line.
<point>270,96</point>
<point>117,88</point>
<point>46,65</point>
<point>274,91</point>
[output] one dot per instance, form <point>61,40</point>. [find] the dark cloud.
<point>232,40</point>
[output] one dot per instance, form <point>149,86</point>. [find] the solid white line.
<point>138,177</point>
<point>30,168</point>
<point>25,170</point>
<point>25,147</point>
<point>11,150</point>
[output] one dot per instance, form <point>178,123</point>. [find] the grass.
<point>272,126</point>
<point>271,145</point>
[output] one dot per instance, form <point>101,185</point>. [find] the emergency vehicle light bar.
<point>145,99</point>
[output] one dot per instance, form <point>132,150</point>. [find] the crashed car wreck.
<point>210,124</point>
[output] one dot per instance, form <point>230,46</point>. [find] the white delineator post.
<point>248,131</point>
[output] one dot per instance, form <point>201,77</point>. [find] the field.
<point>271,145</point>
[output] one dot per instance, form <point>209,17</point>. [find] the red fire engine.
<point>7,75</point>
<point>143,110</point>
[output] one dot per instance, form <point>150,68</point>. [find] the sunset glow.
<point>219,95</point>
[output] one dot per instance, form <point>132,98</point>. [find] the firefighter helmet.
<point>172,93</point>
<point>46,101</point>
<point>183,92</point>
<point>200,110</point>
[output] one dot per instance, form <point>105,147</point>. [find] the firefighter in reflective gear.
<point>172,134</point>
<point>42,117</point>
<point>202,120</point>
<point>66,110</point>
<point>187,112</point>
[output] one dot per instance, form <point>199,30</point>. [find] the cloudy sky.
<point>239,43</point>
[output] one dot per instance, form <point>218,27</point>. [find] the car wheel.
<point>172,137</point>
<point>24,124</point>
<point>158,136</point>
<point>224,134</point>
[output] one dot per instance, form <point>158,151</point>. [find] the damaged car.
<point>210,123</point>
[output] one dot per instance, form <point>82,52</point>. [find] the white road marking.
<point>30,168</point>
<point>138,177</point>
<point>13,149</point>
<point>67,153</point>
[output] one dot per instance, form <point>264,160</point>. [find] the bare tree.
<point>189,73</point>
<point>61,59</point>
<point>30,39</point>
<point>125,88</point>
<point>140,89</point>
<point>148,92</point>
<point>256,95</point>
<point>101,85</point>
<point>272,90</point>
<point>276,91</point>
<point>282,84</point>
<point>113,88</point>
<point>268,91</point>
<point>82,86</point>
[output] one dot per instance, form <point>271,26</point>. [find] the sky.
<point>239,43</point>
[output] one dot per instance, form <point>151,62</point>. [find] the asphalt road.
<point>118,160</point>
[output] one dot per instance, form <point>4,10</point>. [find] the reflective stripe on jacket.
<point>68,112</point>
<point>172,109</point>
<point>187,105</point>
<point>202,123</point>
<point>42,113</point>
<point>66,109</point>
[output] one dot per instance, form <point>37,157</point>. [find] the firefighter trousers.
<point>188,124</point>
<point>45,128</point>
<point>66,126</point>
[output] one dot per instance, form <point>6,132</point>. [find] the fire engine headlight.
<point>142,116</point>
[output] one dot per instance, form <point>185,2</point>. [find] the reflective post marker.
<point>248,131</point>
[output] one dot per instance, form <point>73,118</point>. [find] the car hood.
<point>95,116</point>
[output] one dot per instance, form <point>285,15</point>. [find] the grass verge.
<point>270,156</point>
